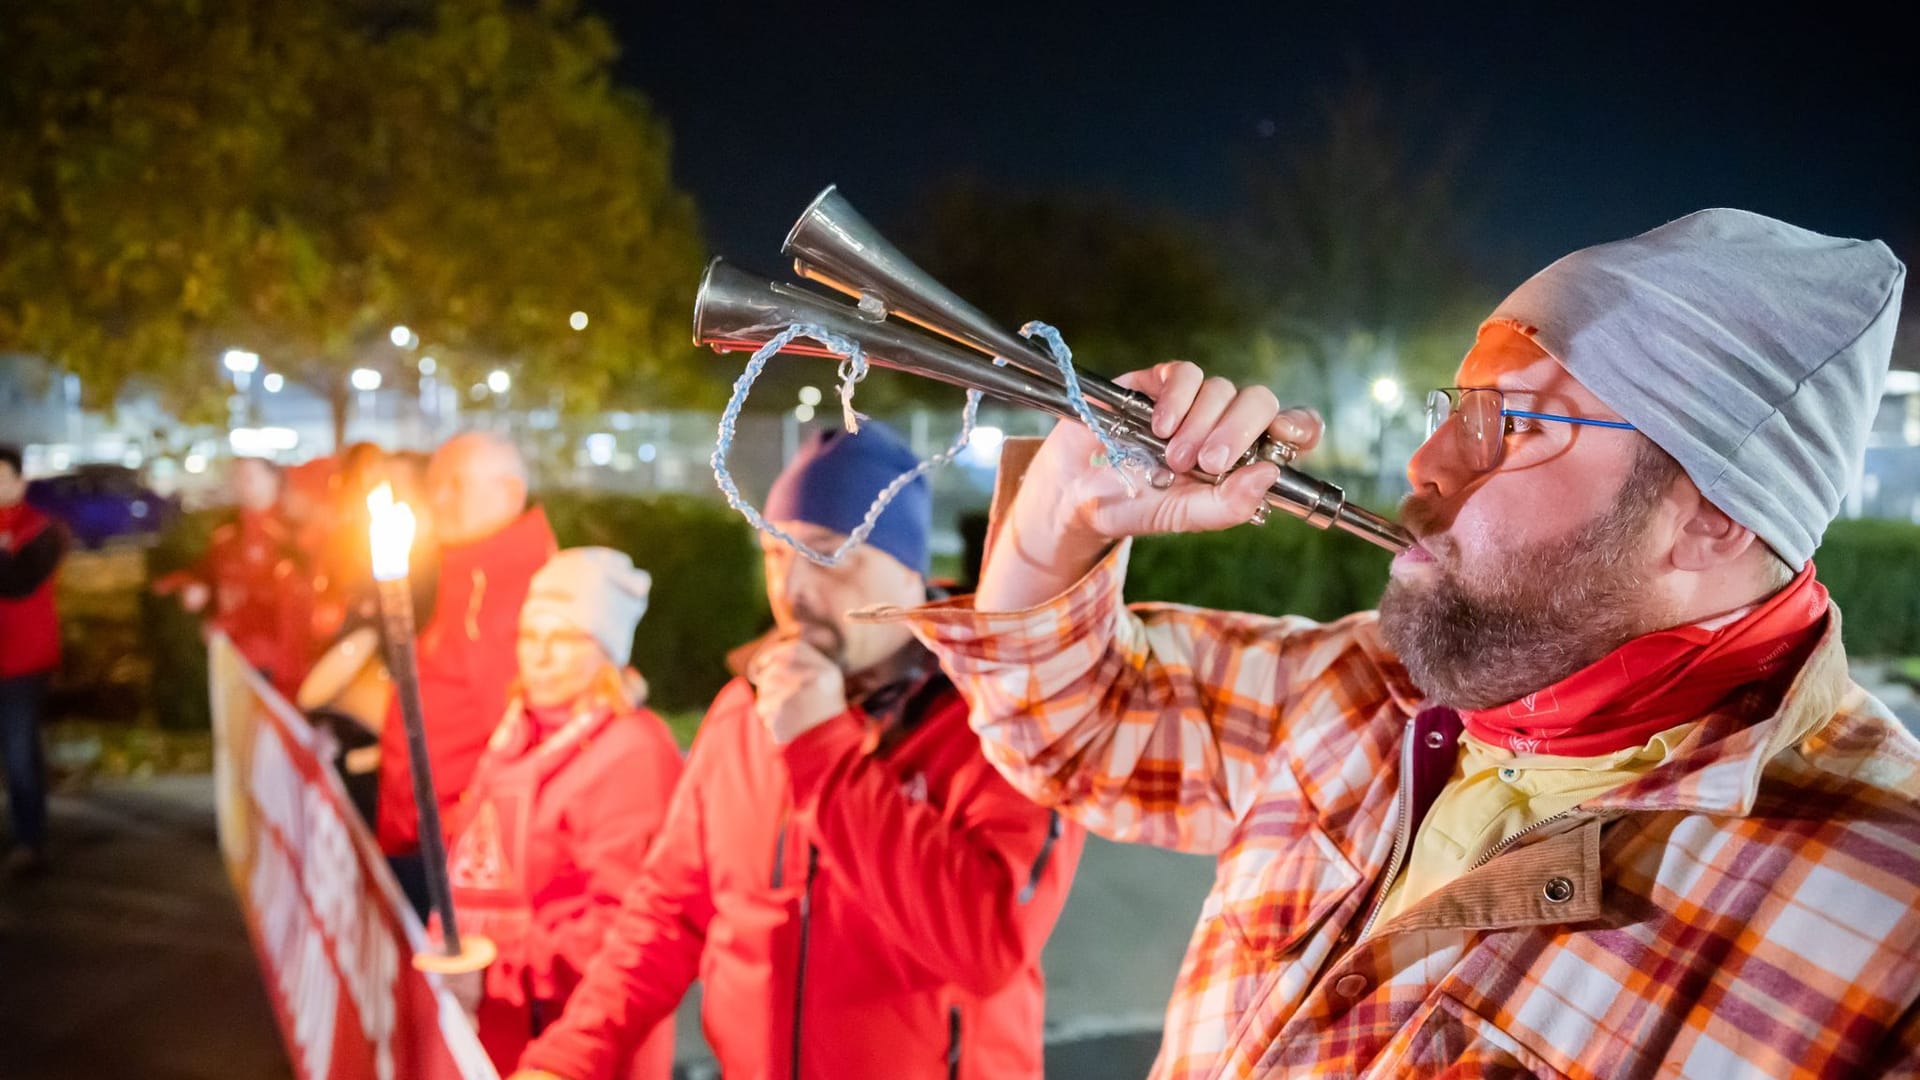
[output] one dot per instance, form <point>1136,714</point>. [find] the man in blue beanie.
<point>1591,795</point>
<point>861,894</point>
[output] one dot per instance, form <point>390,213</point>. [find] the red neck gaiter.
<point>1659,680</point>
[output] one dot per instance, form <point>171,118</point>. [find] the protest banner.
<point>332,931</point>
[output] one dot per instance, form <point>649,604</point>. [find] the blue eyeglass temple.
<point>1567,419</point>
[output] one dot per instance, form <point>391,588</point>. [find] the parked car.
<point>103,502</point>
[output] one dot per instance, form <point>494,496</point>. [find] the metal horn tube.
<point>736,311</point>
<point>835,245</point>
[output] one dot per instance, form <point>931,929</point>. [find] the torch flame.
<point>390,533</point>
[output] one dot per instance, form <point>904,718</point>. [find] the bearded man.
<point>1591,795</point>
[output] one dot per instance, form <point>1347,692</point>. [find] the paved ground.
<point>128,958</point>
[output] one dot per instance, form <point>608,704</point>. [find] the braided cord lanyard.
<point>853,369</point>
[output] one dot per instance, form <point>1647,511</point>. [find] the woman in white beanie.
<point>567,797</point>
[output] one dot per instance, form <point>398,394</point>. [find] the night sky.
<point>1585,129</point>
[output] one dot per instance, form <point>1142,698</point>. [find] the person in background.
<point>31,547</point>
<point>250,585</point>
<point>860,894</point>
<point>491,543</point>
<point>565,801</point>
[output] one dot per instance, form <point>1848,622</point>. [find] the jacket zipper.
<point>1403,825</point>
<point>1054,829</point>
<point>953,1042</point>
<point>779,876</point>
<point>800,972</point>
<point>1503,845</point>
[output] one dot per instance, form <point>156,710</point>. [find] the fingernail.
<point>1214,459</point>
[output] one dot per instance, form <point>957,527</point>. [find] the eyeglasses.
<point>1485,421</point>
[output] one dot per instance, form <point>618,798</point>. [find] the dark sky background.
<point>1588,127</point>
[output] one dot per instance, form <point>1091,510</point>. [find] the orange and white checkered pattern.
<point>1751,908</point>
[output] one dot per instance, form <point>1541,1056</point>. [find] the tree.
<point>1127,287</point>
<point>1352,244</point>
<point>177,177</point>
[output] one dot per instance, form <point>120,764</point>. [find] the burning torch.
<point>391,540</point>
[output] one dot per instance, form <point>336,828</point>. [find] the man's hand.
<point>467,988</point>
<point>194,596</point>
<point>1072,505</point>
<point>796,688</point>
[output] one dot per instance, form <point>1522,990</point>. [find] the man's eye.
<point>1517,425</point>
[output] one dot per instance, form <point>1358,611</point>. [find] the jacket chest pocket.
<point>1272,898</point>
<point>1455,1040</point>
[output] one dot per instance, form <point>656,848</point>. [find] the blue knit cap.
<point>832,481</point>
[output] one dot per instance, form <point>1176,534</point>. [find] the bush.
<point>1871,567</point>
<point>1285,568</point>
<point>171,634</point>
<point>707,592</point>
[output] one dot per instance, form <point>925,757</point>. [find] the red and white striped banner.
<point>332,931</point>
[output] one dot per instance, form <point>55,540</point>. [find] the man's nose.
<point>1437,467</point>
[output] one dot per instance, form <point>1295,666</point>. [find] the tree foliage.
<point>1352,242</point>
<point>1126,287</point>
<point>180,176</point>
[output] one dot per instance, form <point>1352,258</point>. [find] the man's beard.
<point>1537,616</point>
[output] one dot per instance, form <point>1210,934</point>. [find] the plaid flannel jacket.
<point>1750,908</point>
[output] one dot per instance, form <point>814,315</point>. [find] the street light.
<point>365,379</point>
<point>402,337</point>
<point>499,381</point>
<point>240,361</point>
<point>1386,391</point>
<point>273,382</point>
<point>578,320</point>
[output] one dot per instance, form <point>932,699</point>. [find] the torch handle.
<point>396,616</point>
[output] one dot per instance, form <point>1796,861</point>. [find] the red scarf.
<point>1659,680</point>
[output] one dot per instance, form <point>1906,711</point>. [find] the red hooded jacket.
<point>547,840</point>
<point>869,900</point>
<point>261,599</point>
<point>467,661</point>
<point>31,546</point>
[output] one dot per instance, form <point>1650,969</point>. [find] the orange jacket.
<point>869,900</point>
<point>547,840</point>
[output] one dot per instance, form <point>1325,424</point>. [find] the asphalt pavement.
<point>127,957</point>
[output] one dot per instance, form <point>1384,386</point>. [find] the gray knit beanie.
<point>1751,350</point>
<point>596,589</point>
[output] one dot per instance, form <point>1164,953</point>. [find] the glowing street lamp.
<point>390,532</point>
<point>240,361</point>
<point>402,337</point>
<point>1387,393</point>
<point>499,381</point>
<point>273,382</point>
<point>578,320</point>
<point>365,380</point>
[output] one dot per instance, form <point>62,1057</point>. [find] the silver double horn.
<point>832,244</point>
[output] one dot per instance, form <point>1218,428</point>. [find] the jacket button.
<point>1350,985</point>
<point>1557,890</point>
<point>1436,740</point>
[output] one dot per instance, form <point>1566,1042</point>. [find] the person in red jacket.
<point>567,797</point>
<point>859,892</point>
<point>250,585</point>
<point>491,543</point>
<point>31,547</point>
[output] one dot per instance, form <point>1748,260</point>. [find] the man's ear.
<point>1708,539</point>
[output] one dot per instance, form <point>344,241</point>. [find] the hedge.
<point>708,596</point>
<point>1871,567</point>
